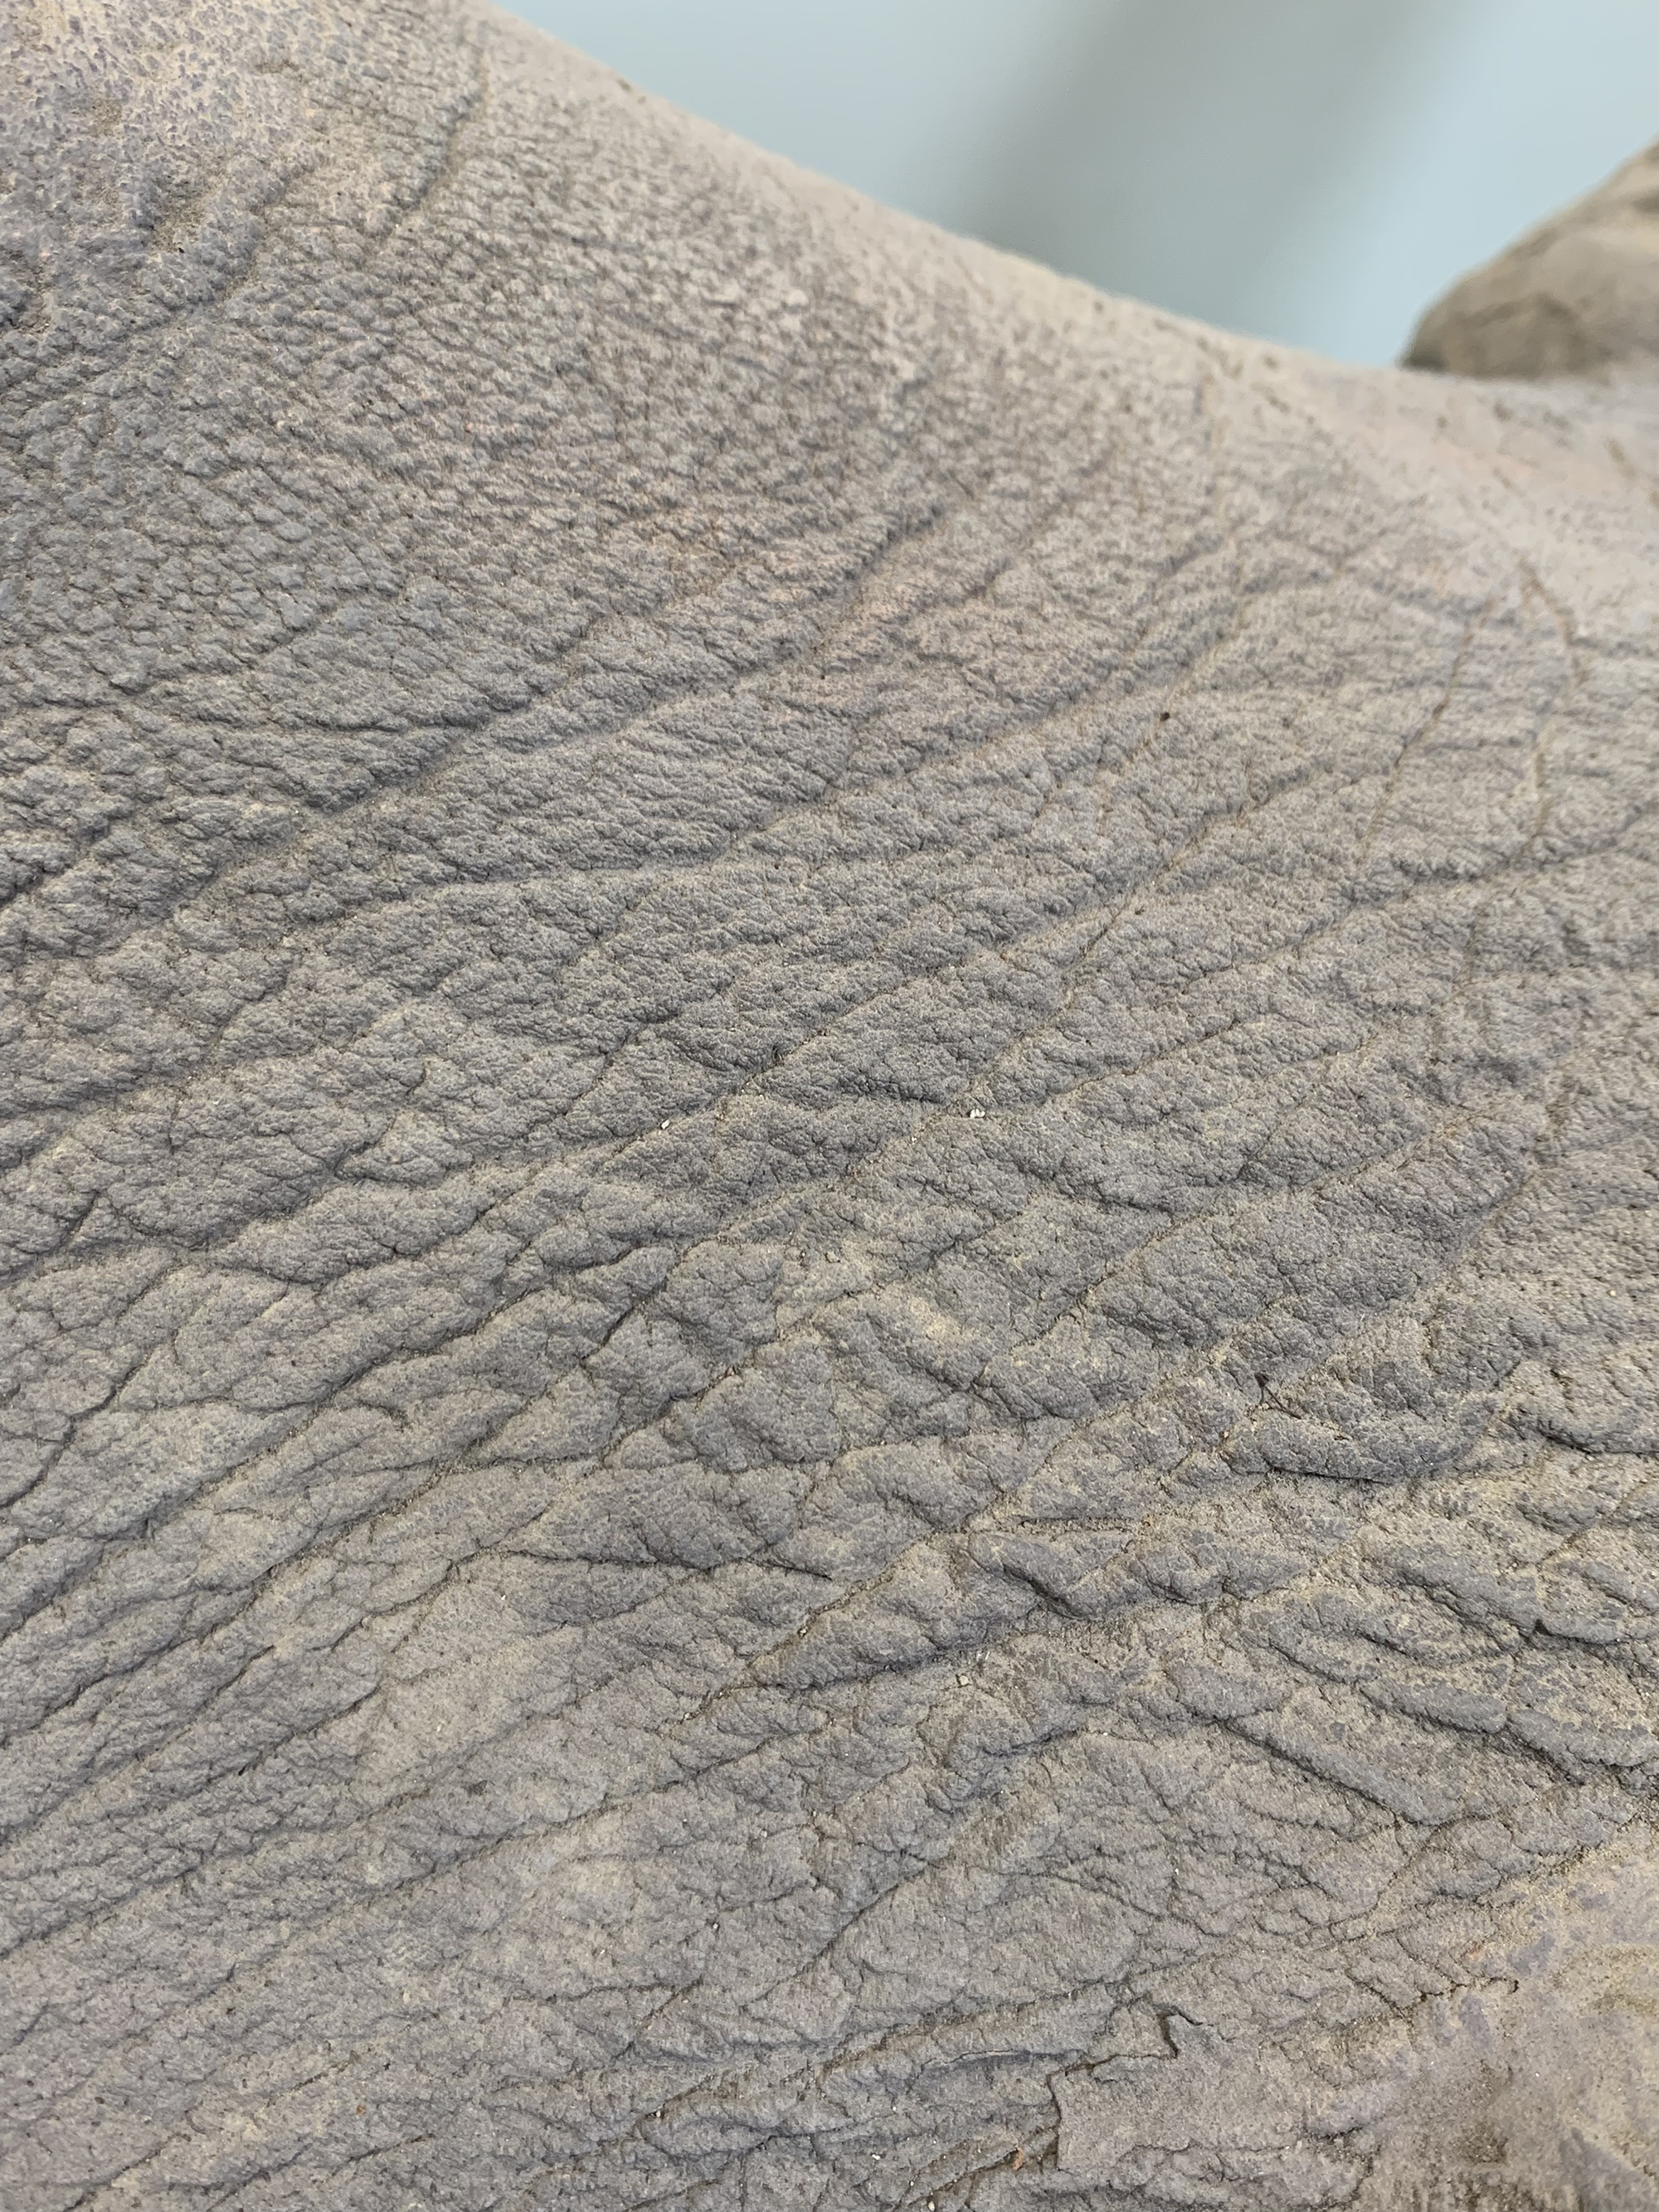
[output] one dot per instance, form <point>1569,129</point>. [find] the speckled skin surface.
<point>830,1198</point>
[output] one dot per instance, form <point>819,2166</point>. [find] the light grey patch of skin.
<point>1533,2082</point>
<point>1539,2083</point>
<point>830,1206</point>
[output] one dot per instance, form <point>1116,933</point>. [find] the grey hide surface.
<point>831,1209</point>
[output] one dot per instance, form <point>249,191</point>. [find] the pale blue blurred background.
<point>1312,171</point>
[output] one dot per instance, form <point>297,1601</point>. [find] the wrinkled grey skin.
<point>831,1207</point>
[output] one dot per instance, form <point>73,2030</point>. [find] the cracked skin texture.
<point>830,1198</point>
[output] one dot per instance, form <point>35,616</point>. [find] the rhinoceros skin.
<point>830,1198</point>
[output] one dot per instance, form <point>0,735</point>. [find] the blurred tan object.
<point>1579,295</point>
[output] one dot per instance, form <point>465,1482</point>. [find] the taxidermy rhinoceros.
<point>832,1213</point>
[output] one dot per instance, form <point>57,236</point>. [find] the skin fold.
<point>829,1183</point>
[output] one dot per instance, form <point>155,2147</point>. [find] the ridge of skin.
<point>829,1190</point>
